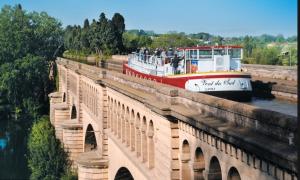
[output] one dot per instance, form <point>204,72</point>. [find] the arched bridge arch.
<point>233,174</point>
<point>214,169</point>
<point>123,174</point>
<point>73,112</point>
<point>90,142</point>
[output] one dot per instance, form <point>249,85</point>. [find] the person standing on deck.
<point>175,62</point>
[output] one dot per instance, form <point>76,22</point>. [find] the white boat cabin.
<point>198,59</point>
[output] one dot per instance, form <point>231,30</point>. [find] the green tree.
<point>47,35</point>
<point>217,40</point>
<point>119,28</point>
<point>47,158</point>
<point>119,23</point>
<point>280,38</point>
<point>130,41</point>
<point>15,33</point>
<point>26,85</point>
<point>28,41</point>
<point>22,33</point>
<point>172,40</point>
<point>248,46</point>
<point>266,56</point>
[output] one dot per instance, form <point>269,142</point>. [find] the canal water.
<point>13,163</point>
<point>277,105</point>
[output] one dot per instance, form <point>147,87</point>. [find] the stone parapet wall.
<point>120,57</point>
<point>270,71</point>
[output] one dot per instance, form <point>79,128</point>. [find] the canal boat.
<point>214,70</point>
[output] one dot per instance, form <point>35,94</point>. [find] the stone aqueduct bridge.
<point>117,126</point>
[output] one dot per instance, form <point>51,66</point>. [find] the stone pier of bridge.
<point>116,126</point>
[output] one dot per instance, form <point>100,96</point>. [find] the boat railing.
<point>149,64</point>
<point>152,63</point>
<point>151,59</point>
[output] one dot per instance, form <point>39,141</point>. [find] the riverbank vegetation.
<point>101,37</point>
<point>47,158</point>
<point>29,42</point>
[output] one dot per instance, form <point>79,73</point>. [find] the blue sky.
<point>218,17</point>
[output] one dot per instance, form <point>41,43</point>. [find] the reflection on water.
<point>285,107</point>
<point>13,139</point>
<point>3,143</point>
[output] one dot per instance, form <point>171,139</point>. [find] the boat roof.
<point>209,47</point>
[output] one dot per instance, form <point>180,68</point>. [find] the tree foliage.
<point>172,40</point>
<point>27,42</point>
<point>26,84</point>
<point>134,40</point>
<point>47,158</point>
<point>23,33</point>
<point>101,37</point>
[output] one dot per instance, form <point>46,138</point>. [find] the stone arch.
<point>233,174</point>
<point>127,124</point>
<point>185,158</point>
<point>64,97</point>
<point>138,134</point>
<point>115,117</point>
<point>132,130</point>
<point>151,151</point>
<point>144,140</point>
<point>119,112</point>
<point>214,172</point>
<point>73,112</point>
<point>109,111</point>
<point>90,142</point>
<point>123,174</point>
<point>199,164</point>
<point>123,132</point>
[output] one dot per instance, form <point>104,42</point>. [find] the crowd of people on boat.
<point>160,56</point>
<point>160,52</point>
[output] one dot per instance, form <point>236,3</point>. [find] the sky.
<point>227,18</point>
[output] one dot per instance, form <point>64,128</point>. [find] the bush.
<point>47,158</point>
<point>69,175</point>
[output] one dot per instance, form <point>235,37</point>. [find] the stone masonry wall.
<point>274,72</point>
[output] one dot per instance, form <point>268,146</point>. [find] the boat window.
<point>187,54</point>
<point>180,53</point>
<point>234,53</point>
<point>193,54</point>
<point>204,53</point>
<point>219,52</point>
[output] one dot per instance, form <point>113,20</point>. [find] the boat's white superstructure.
<point>199,69</point>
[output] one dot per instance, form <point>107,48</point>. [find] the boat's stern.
<point>223,85</point>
